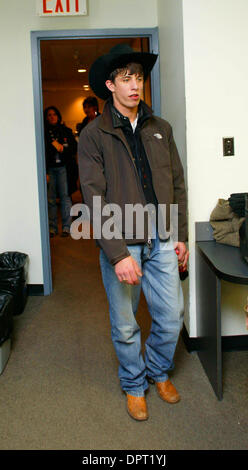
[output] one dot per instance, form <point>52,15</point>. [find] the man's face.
<point>52,117</point>
<point>90,111</point>
<point>127,91</point>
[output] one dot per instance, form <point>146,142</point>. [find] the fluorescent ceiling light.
<point>82,70</point>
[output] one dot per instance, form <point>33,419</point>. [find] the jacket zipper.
<point>149,241</point>
<point>136,173</point>
<point>135,169</point>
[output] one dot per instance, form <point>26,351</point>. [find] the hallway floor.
<point>60,388</point>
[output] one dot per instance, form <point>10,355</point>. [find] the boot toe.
<point>168,392</point>
<point>137,407</point>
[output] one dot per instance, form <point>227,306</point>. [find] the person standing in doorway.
<point>60,148</point>
<point>91,109</point>
<point>128,156</point>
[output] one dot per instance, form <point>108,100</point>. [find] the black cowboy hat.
<point>118,56</point>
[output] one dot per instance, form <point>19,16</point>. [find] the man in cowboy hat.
<point>128,156</point>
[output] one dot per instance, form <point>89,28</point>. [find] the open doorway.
<point>57,57</point>
<point>65,65</point>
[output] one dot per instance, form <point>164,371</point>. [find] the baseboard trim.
<point>235,343</point>
<point>35,289</point>
<point>192,344</point>
<point>229,343</point>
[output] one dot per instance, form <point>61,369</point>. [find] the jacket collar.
<point>111,119</point>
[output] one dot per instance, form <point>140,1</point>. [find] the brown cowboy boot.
<point>167,391</point>
<point>137,407</point>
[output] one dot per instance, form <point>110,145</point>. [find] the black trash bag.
<point>6,316</point>
<point>13,278</point>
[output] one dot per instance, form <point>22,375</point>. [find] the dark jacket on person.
<point>107,169</point>
<point>84,123</point>
<point>55,159</point>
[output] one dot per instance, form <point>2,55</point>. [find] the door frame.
<point>36,38</point>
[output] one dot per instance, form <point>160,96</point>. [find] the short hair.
<point>133,68</point>
<point>91,101</point>
<point>56,112</point>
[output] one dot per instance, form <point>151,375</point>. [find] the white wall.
<point>216,69</point>
<point>20,224</point>
<point>203,51</point>
<point>170,22</point>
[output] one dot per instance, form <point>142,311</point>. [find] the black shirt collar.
<point>123,121</point>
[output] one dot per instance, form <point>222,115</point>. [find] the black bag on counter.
<point>6,316</point>
<point>243,232</point>
<point>237,203</point>
<point>13,278</point>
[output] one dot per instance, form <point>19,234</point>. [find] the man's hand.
<point>127,270</point>
<point>182,253</point>
<point>59,147</point>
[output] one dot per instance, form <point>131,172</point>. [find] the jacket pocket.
<point>157,151</point>
<point>163,184</point>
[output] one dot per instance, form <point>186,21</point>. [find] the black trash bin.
<point>6,316</point>
<point>13,278</point>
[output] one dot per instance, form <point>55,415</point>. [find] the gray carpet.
<point>60,388</point>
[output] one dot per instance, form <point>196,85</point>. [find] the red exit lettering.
<point>59,8</point>
<point>45,10</point>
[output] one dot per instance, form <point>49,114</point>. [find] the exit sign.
<point>61,7</point>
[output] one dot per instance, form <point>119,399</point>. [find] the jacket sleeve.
<point>50,151</point>
<point>180,196</point>
<point>71,149</point>
<point>93,184</point>
<point>72,142</point>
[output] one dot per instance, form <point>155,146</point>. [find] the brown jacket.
<point>107,169</point>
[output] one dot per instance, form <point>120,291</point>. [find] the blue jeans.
<point>57,187</point>
<point>162,288</point>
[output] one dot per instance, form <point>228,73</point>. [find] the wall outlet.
<point>228,146</point>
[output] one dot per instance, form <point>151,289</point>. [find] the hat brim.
<point>104,65</point>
